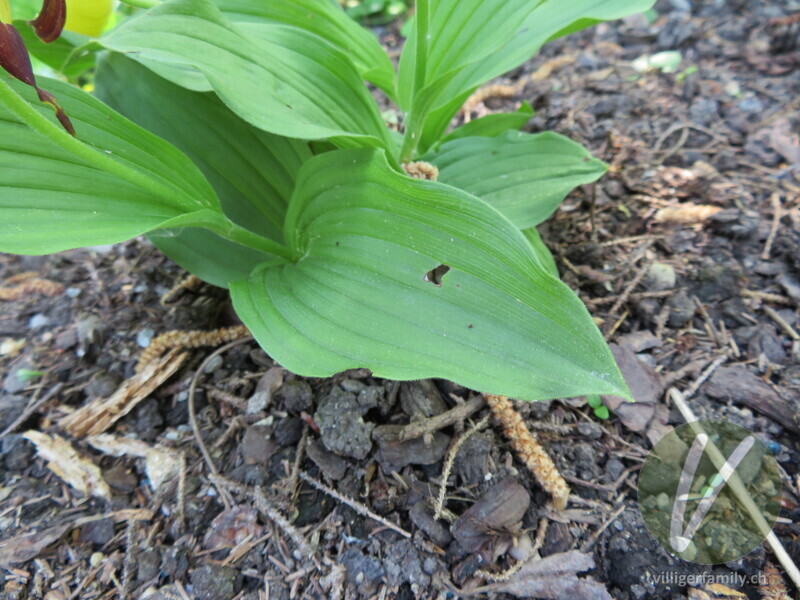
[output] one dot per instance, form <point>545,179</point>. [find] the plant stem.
<point>413,121</point>
<point>142,3</point>
<point>245,237</point>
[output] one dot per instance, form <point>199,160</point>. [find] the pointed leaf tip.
<point>50,22</point>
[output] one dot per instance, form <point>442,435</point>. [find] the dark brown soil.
<point>677,289</point>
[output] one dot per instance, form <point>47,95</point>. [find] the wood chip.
<point>161,463</point>
<point>75,469</point>
<point>97,416</point>
<point>686,214</point>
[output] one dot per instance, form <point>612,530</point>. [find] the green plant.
<point>375,12</point>
<point>240,137</point>
<point>596,403</point>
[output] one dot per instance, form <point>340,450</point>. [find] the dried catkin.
<point>421,170</point>
<point>773,587</point>
<point>34,285</point>
<point>188,339</point>
<point>489,91</point>
<point>529,449</point>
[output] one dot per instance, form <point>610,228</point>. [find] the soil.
<point>687,253</point>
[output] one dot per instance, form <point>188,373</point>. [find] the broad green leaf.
<point>524,176</point>
<point>493,125</point>
<point>461,32</point>
<point>550,20</point>
<point>279,78</point>
<point>325,19</point>
<point>358,297</point>
<point>542,251</point>
<point>209,256</point>
<point>252,171</point>
<point>458,68</point>
<point>113,182</point>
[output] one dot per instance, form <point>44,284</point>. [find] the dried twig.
<point>448,463</point>
<point>782,322</point>
<point>529,449</point>
<point>193,417</point>
<point>777,214</point>
<point>359,508</point>
<point>767,297</point>
<point>265,507</point>
<point>188,339</point>
<point>417,429</point>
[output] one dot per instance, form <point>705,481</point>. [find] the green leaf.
<point>325,19</point>
<point>358,297</point>
<point>113,182</point>
<point>461,32</point>
<point>524,176</point>
<point>458,67</point>
<point>252,172</point>
<point>209,256</point>
<point>493,125</point>
<point>542,251</point>
<point>279,78</point>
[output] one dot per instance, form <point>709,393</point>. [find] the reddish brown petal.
<point>14,59</point>
<point>14,56</point>
<point>50,22</point>
<point>62,117</point>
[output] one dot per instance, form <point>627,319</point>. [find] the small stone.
<point>144,337</point>
<point>121,478</point>
<point>103,384</point>
<point>16,452</point>
<point>341,423</point>
<point>38,321</point>
<point>593,431</point>
<point>148,566</point>
<point>332,466</point>
<point>13,382</point>
<point>288,431</point>
<point>297,396</point>
<point>422,517</point>
<point>212,582</point>
<point>682,310</point>
<point>212,365</point>
<point>175,562</point>
<point>256,446</point>
<point>72,292</point>
<point>11,406</point>
<point>90,330</point>
<point>98,532</point>
<point>96,559</point>
<point>660,277</point>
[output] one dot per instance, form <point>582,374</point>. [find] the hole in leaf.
<point>434,276</point>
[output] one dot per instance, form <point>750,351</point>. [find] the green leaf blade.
<point>329,22</point>
<point>252,172</point>
<point>113,182</point>
<point>524,176</point>
<point>281,79</point>
<point>358,298</point>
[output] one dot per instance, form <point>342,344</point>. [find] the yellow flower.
<point>88,17</point>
